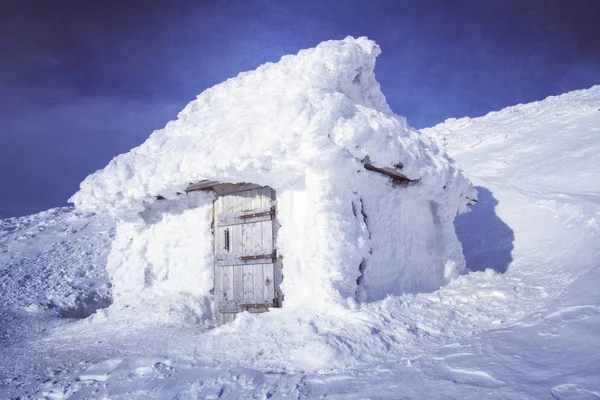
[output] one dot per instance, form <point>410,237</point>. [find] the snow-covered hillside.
<point>55,261</point>
<point>524,324</point>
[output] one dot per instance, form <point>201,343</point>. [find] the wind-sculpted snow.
<point>318,111</point>
<point>458,134</point>
<point>303,126</point>
<point>55,261</point>
<point>529,332</point>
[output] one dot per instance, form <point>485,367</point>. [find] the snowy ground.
<point>524,324</point>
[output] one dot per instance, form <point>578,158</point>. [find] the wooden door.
<point>247,271</point>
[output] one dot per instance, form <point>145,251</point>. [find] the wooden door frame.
<point>224,189</point>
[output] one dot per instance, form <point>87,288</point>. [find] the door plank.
<point>267,236</point>
<point>226,201</point>
<point>248,282</point>
<point>259,284</point>
<point>255,199</point>
<point>230,203</point>
<point>238,248</point>
<point>238,202</point>
<point>256,238</point>
<point>266,196</point>
<point>227,279</point>
<point>269,287</point>
<point>238,285</point>
<point>247,239</point>
<point>247,200</point>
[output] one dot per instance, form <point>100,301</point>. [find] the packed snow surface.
<point>524,323</point>
<point>55,261</point>
<point>303,126</point>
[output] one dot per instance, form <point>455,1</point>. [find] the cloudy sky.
<point>82,81</point>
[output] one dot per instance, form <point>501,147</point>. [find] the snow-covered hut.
<point>293,180</point>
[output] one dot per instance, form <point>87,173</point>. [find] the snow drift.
<point>303,126</point>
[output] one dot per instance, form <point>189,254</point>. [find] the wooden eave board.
<point>391,172</point>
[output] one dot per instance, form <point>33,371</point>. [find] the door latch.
<point>226,244</point>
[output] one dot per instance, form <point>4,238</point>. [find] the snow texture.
<point>54,261</point>
<point>165,252</point>
<point>527,327</point>
<point>301,126</point>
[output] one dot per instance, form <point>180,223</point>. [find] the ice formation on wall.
<point>302,126</point>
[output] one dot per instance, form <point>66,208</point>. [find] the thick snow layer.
<point>527,327</point>
<point>302,126</point>
<point>159,262</point>
<point>318,111</point>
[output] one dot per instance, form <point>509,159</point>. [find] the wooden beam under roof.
<point>394,173</point>
<point>202,185</point>
<point>221,188</point>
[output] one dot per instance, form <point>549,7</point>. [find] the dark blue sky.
<point>83,81</point>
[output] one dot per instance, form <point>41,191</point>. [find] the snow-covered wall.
<point>162,259</point>
<point>301,126</point>
<point>321,240</point>
<point>340,229</point>
<point>413,246</point>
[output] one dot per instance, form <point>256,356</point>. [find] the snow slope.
<point>54,261</point>
<point>527,327</point>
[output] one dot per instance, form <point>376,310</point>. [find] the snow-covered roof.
<point>320,109</point>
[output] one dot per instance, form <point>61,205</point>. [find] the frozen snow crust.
<point>530,332</point>
<point>301,126</point>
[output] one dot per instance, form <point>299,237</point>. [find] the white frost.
<point>301,126</point>
<point>530,332</point>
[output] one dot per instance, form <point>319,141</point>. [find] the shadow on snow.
<point>487,241</point>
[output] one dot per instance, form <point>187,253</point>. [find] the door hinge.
<point>260,256</point>
<point>271,212</point>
